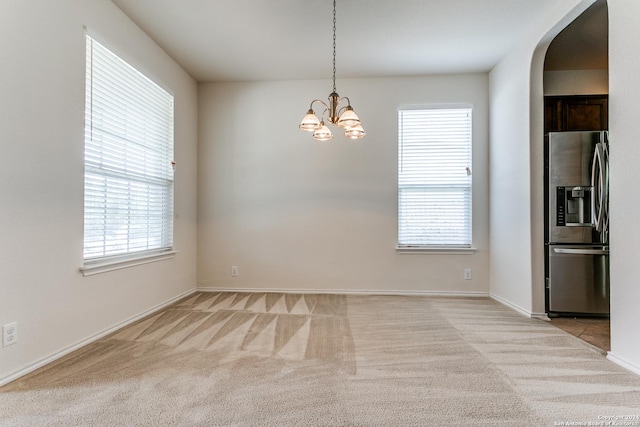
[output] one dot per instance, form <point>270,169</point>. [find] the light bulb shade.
<point>310,122</point>
<point>348,118</point>
<point>323,133</point>
<point>355,132</point>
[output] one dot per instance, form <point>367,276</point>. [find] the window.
<point>128,178</point>
<point>434,177</point>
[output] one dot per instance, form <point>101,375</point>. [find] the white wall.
<point>510,261</point>
<point>297,214</point>
<point>624,110</point>
<point>516,159</point>
<point>42,78</point>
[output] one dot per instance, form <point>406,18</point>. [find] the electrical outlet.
<point>234,270</point>
<point>467,274</point>
<point>9,334</point>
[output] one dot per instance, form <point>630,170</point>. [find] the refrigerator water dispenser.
<point>573,206</point>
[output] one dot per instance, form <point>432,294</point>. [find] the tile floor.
<point>595,331</point>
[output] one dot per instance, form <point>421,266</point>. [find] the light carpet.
<point>304,360</point>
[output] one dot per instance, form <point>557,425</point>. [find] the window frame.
<point>440,247</point>
<point>145,180</point>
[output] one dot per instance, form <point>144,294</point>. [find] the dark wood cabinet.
<point>574,113</point>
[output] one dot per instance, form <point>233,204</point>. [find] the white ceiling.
<point>235,40</point>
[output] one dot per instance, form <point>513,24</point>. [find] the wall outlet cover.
<point>9,334</point>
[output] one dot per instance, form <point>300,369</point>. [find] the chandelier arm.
<point>326,108</point>
<point>320,101</point>
<point>341,109</point>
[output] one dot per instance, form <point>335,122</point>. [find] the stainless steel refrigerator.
<point>577,223</point>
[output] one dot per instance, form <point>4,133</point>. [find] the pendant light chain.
<point>334,46</point>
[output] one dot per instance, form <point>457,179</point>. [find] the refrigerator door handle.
<point>581,251</point>
<point>605,189</point>
<point>597,182</point>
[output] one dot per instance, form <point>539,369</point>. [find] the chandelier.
<point>343,117</point>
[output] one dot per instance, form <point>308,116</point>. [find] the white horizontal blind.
<point>434,177</point>
<point>128,194</point>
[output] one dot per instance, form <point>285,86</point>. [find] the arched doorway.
<point>576,87</point>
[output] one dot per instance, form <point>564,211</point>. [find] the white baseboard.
<point>345,292</point>
<point>514,307</point>
<point>541,316</point>
<point>57,355</point>
<point>624,363</point>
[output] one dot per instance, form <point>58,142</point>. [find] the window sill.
<point>104,265</point>
<point>435,250</point>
